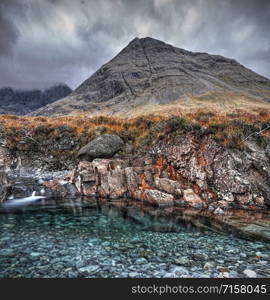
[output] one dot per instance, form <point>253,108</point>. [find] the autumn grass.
<point>232,129</point>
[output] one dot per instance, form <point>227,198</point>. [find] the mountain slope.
<point>152,72</point>
<point>20,102</point>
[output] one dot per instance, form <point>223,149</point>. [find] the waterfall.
<point>22,201</point>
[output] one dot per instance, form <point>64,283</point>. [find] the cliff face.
<point>20,102</point>
<point>172,161</point>
<point>184,172</point>
<point>4,185</point>
<point>149,71</point>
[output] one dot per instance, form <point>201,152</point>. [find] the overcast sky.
<point>43,42</point>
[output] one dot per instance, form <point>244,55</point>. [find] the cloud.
<point>44,42</point>
<point>8,32</point>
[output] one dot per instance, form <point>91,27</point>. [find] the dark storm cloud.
<point>8,32</point>
<point>43,42</point>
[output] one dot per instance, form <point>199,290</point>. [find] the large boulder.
<point>104,146</point>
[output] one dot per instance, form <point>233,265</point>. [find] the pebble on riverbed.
<point>250,273</point>
<point>95,244</point>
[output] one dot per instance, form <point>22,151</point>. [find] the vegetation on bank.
<point>60,138</point>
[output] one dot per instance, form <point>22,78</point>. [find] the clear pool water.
<point>90,238</point>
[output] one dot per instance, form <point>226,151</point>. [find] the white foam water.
<point>22,201</point>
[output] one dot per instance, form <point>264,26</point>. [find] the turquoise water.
<point>75,238</point>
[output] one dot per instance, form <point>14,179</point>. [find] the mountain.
<point>20,102</point>
<point>149,73</point>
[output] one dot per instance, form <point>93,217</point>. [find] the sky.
<point>46,42</point>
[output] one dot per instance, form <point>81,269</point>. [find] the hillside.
<point>149,73</point>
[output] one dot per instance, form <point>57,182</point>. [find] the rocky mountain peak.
<point>149,71</point>
<point>21,102</point>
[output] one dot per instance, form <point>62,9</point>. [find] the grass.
<point>62,137</point>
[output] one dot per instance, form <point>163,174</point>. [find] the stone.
<point>60,188</point>
<point>221,269</point>
<point>218,211</point>
<point>133,178</point>
<point>135,240</point>
<point>182,261</point>
<point>141,261</point>
<point>116,184</point>
<point>209,266</point>
<point>35,254</point>
<point>259,201</point>
<point>86,171</point>
<point>79,264</point>
<point>200,256</point>
<point>169,275</point>
<point>228,197</point>
<point>178,271</point>
<point>223,275</point>
<point>7,252</point>
<point>250,273</point>
<point>89,270</point>
<point>261,255</point>
<point>192,199</point>
<point>168,186</point>
<point>133,274</point>
<point>104,146</point>
<point>5,186</point>
<point>157,198</point>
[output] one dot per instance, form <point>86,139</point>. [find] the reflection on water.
<point>134,214</point>
<point>86,237</point>
<point>246,224</point>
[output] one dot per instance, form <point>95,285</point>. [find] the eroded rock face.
<point>104,146</point>
<point>60,188</point>
<point>5,162</point>
<point>4,185</point>
<point>186,172</point>
<point>218,174</point>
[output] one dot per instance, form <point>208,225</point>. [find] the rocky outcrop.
<point>4,185</point>
<point>220,176</point>
<point>104,146</point>
<point>149,71</point>
<point>5,161</point>
<point>186,172</point>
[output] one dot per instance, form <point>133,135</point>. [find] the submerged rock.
<point>89,270</point>
<point>209,266</point>
<point>141,261</point>
<point>184,260</point>
<point>250,273</point>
